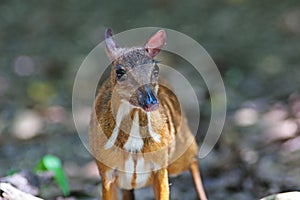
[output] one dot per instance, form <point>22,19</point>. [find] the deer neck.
<point>133,127</point>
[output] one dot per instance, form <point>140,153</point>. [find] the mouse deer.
<point>138,134</point>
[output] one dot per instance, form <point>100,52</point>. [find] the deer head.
<point>134,73</point>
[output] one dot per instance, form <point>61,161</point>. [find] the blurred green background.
<point>255,44</point>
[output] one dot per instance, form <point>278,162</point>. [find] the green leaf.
<point>12,172</point>
<point>53,164</point>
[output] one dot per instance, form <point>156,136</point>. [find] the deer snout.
<point>146,98</point>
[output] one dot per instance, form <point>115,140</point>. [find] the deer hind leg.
<point>128,194</point>
<point>194,169</point>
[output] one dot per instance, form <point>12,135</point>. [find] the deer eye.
<point>121,74</point>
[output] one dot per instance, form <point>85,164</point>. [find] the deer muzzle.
<point>146,99</point>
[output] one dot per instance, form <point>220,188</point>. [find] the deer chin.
<point>151,107</point>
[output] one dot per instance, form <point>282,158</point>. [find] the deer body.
<point>138,134</point>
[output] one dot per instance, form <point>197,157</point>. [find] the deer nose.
<point>151,99</point>
<point>147,99</point>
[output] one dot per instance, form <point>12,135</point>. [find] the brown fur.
<point>174,153</point>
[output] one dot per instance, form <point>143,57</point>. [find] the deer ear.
<point>155,43</point>
<point>111,46</point>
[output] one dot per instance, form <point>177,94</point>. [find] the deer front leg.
<point>161,185</point>
<point>109,190</point>
<point>109,187</point>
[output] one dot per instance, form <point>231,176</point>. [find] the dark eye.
<point>155,71</point>
<point>121,74</point>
